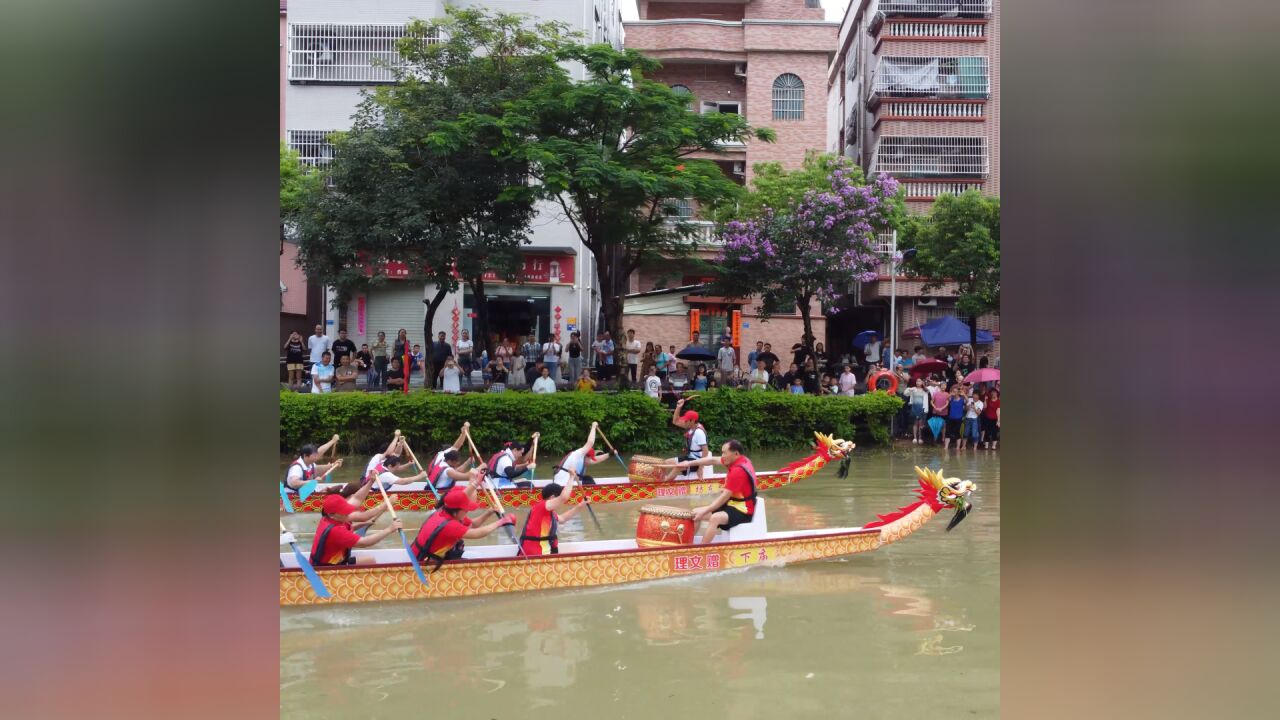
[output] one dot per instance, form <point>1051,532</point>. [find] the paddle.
<point>616,454</point>
<point>535,455</point>
<point>414,458</point>
<point>408,550</point>
<point>493,493</point>
<point>316,584</point>
<point>309,486</point>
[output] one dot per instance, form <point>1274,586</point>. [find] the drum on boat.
<point>643,468</point>
<point>661,525</point>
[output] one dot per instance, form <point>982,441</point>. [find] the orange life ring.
<point>874,380</point>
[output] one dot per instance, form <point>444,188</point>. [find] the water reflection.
<point>756,611</point>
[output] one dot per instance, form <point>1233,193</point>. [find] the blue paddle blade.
<point>316,584</point>
<point>307,488</point>
<point>624,462</point>
<point>409,551</point>
<point>284,499</point>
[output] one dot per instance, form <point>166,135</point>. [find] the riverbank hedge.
<point>633,421</point>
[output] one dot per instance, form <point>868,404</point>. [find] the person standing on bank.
<point>465,348</point>
<point>633,354</point>
<point>294,351</point>
<point>381,360</point>
<point>575,355</point>
<point>551,357</point>
<point>317,344</point>
<point>322,374</point>
<point>726,361</point>
<point>736,503</point>
<point>342,347</point>
<point>695,439</point>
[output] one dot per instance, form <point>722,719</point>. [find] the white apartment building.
<point>334,49</point>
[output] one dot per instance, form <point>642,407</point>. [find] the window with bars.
<point>788,97</point>
<point>678,209</point>
<point>313,148</point>
<point>321,52</point>
<point>913,156</point>
<point>934,77</point>
<point>684,90</point>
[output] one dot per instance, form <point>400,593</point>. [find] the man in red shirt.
<point>441,537</point>
<point>335,537</point>
<point>736,503</point>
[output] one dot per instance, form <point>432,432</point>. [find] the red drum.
<point>661,525</point>
<point>642,469</point>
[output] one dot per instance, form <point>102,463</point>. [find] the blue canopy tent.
<point>947,330</point>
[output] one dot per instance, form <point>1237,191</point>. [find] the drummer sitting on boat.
<point>695,441</point>
<point>441,536</point>
<point>336,536</point>
<point>575,463</point>
<point>509,463</point>
<point>736,503</point>
<point>448,467</point>
<point>304,468</point>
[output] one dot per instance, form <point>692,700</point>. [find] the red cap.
<point>456,499</point>
<point>591,454</point>
<point>335,504</point>
<point>690,416</point>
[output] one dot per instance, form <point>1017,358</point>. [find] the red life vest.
<point>307,472</point>
<point>435,470</point>
<point>493,461</point>
<point>739,502</point>
<point>427,534</point>
<point>540,544</point>
<point>317,553</point>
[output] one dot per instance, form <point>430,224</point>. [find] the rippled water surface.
<point>909,631</point>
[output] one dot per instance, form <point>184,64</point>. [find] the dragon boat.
<point>642,482</point>
<point>492,569</point>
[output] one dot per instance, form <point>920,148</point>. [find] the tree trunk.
<point>614,280</point>
<point>804,306</point>
<point>428,366</point>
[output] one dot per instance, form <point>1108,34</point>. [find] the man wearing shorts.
<point>736,503</point>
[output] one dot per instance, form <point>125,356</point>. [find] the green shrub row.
<point>634,422</point>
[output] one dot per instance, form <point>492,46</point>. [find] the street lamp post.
<point>893,295</point>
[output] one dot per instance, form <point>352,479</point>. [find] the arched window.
<point>684,90</point>
<point>788,97</point>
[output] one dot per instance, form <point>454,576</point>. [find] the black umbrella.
<point>696,352</point>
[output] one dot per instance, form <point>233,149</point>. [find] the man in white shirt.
<point>318,343</point>
<point>726,361</point>
<point>653,383</point>
<point>633,349</point>
<point>465,359</point>
<point>871,352</point>
<point>544,384</point>
<point>551,357</point>
<point>322,374</point>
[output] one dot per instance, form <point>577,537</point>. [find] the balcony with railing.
<point>907,157</point>
<point>357,54</point>
<point>937,78</point>
<point>943,11</point>
<point>927,31</point>
<point>681,218</point>
<point>687,38</point>
<point>313,148</point>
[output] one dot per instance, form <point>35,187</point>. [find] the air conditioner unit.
<point>740,69</point>
<point>739,168</point>
<point>927,302</point>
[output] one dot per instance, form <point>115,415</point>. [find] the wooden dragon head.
<point>836,449</point>
<point>948,492</point>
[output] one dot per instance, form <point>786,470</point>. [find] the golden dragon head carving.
<point>836,449</point>
<point>948,492</point>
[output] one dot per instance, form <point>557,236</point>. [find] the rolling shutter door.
<point>395,306</point>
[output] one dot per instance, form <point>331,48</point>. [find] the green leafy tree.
<point>612,151</point>
<point>959,240</point>
<point>444,212</point>
<point>296,182</point>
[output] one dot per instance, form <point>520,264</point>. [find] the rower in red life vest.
<point>541,532</point>
<point>736,503</point>
<point>304,468</point>
<point>336,535</point>
<point>575,463</point>
<point>448,467</point>
<point>510,463</point>
<point>695,440</point>
<point>441,537</point>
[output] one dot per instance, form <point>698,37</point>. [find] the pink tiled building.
<point>914,91</point>
<point>766,60</point>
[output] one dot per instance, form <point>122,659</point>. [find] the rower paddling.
<point>540,534</point>
<point>449,467</point>
<point>442,536</point>
<point>695,441</point>
<point>304,468</point>
<point>574,465</point>
<point>336,536</point>
<point>510,463</point>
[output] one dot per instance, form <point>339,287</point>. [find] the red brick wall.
<point>707,81</point>
<point>683,36</point>
<point>710,11</point>
<point>785,10</point>
<point>813,38</point>
<point>781,332</point>
<point>794,136</point>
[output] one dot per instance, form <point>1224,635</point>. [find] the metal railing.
<point>949,31</point>
<point>896,110</point>
<point>926,156</point>
<point>313,148</point>
<point>702,232</point>
<point>936,8</point>
<point>355,53</point>
<point>932,189</point>
<point>931,77</point>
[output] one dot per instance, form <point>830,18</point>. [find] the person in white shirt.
<point>464,352</point>
<point>918,401</point>
<point>972,409</point>
<point>544,384</point>
<point>377,458</point>
<point>450,377</point>
<point>653,383</point>
<point>633,348</point>
<point>322,374</point>
<point>759,377</point>
<point>871,352</point>
<point>318,344</point>
<point>448,466</point>
<point>551,357</point>
<point>574,465</point>
<point>726,361</point>
<point>304,468</point>
<point>695,439</point>
<point>848,381</point>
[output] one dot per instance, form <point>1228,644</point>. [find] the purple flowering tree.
<point>812,246</point>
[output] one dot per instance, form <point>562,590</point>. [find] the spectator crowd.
<point>940,406</point>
